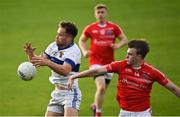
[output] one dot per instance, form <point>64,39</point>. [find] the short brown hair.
<point>140,45</point>
<point>70,28</point>
<point>100,6</point>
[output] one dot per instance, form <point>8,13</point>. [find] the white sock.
<point>98,110</point>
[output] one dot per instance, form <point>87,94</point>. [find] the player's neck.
<point>102,22</point>
<point>138,64</point>
<point>65,45</point>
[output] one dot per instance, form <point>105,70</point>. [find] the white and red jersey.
<point>134,85</point>
<point>101,39</point>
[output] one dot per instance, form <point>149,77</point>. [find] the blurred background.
<point>36,21</point>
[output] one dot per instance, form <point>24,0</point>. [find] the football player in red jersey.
<point>102,34</point>
<point>135,80</point>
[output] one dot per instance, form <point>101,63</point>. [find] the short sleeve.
<point>117,30</point>
<point>113,67</point>
<point>86,31</point>
<point>160,77</point>
<point>73,59</point>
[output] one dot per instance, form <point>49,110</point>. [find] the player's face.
<point>132,57</point>
<point>61,37</point>
<point>101,14</point>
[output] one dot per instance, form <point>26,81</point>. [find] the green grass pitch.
<point>36,21</point>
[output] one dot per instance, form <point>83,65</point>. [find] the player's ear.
<point>140,56</point>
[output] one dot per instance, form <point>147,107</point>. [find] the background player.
<point>102,34</point>
<point>135,80</point>
<point>63,58</point>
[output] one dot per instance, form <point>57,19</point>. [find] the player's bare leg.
<point>52,114</point>
<point>99,95</point>
<point>70,112</point>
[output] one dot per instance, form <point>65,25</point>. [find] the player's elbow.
<point>125,40</point>
<point>65,73</point>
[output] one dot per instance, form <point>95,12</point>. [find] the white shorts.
<point>106,75</point>
<point>62,99</point>
<point>146,113</point>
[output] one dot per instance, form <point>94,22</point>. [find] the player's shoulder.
<point>75,49</point>
<point>92,24</point>
<point>120,63</point>
<point>113,24</point>
<point>52,45</point>
<point>153,70</point>
<point>150,67</point>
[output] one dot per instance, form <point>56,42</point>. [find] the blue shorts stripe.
<point>74,99</point>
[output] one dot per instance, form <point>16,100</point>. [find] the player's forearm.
<point>176,91</point>
<point>57,68</point>
<point>82,45</point>
<point>89,73</point>
<point>173,88</point>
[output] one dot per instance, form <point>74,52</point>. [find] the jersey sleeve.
<point>117,30</point>
<point>73,59</point>
<point>160,77</point>
<point>86,31</point>
<point>113,67</point>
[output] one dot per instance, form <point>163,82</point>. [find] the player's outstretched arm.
<point>173,88</point>
<point>86,73</point>
<point>60,69</point>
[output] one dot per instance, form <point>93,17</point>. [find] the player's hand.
<point>70,83</point>
<point>29,50</point>
<point>87,53</point>
<point>39,61</point>
<point>115,46</point>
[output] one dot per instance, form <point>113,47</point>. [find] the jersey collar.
<point>102,26</point>
<point>68,46</point>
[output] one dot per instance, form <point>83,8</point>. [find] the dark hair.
<point>100,6</point>
<point>141,46</point>
<point>69,27</point>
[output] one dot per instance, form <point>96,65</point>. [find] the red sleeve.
<point>113,67</point>
<point>86,31</point>
<point>117,30</point>
<point>160,77</point>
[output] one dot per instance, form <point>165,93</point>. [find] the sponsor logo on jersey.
<point>94,31</point>
<point>128,70</point>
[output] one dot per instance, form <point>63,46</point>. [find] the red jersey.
<point>134,86</point>
<point>101,39</point>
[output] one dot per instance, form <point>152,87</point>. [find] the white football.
<point>26,71</point>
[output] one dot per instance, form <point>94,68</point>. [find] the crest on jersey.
<point>136,74</point>
<point>109,32</point>
<point>61,54</point>
<point>145,75</point>
<point>54,53</point>
<point>102,32</point>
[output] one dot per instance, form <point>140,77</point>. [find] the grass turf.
<point>36,21</point>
